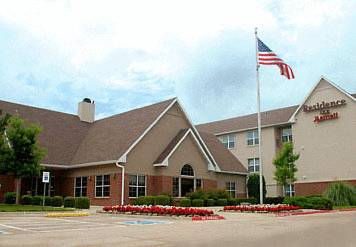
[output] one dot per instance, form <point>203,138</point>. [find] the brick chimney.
<point>86,110</point>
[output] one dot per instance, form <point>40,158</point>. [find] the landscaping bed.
<point>262,208</point>
<point>158,210</point>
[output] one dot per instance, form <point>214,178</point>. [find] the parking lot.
<point>335,229</point>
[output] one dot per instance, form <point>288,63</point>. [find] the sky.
<point>127,54</point>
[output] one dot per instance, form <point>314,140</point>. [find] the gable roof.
<point>228,163</point>
<point>268,118</point>
<point>292,118</point>
<point>109,138</point>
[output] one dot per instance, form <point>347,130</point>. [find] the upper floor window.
<point>252,138</point>
<point>228,141</point>
<point>287,134</point>
<point>254,165</point>
<point>187,170</point>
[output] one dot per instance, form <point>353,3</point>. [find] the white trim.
<point>123,157</point>
<point>252,128</point>
<point>96,163</point>
<point>165,161</point>
<point>237,173</point>
<point>292,118</point>
<point>216,168</point>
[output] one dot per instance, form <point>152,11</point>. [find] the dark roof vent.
<point>87,100</point>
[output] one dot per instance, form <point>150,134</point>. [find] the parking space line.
<point>17,228</point>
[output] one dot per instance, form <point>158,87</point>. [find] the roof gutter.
<point>236,173</point>
<point>122,182</point>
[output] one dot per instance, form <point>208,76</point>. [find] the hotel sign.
<point>325,110</point>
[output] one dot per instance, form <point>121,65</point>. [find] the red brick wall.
<point>209,184</point>
<point>67,186</point>
<point>7,184</point>
<point>115,191</point>
<point>317,188</point>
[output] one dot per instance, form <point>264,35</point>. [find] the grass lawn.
<point>30,208</point>
<point>343,207</point>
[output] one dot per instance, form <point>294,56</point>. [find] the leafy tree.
<point>20,154</point>
<point>285,165</point>
<point>253,186</point>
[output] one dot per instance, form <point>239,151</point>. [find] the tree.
<point>20,154</point>
<point>253,186</point>
<point>285,165</point>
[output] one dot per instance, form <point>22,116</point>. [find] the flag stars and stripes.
<point>267,57</point>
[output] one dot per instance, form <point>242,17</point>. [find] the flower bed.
<point>262,208</point>
<point>158,210</point>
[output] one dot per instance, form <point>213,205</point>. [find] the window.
<point>137,185</point>
<point>80,186</point>
<point>231,189</point>
<point>228,141</point>
<point>102,186</point>
<point>252,138</point>
<point>254,165</point>
<point>287,134</point>
<point>175,183</point>
<point>187,170</point>
<point>289,190</point>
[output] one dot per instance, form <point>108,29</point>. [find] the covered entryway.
<point>187,182</point>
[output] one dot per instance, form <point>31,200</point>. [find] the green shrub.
<point>217,194</point>
<point>198,194</point>
<point>342,194</point>
<point>221,202</point>
<point>57,201</point>
<point>26,200</point>
<point>253,186</point>
<point>251,200</point>
<point>273,200</point>
<point>37,200</point>
<point>69,202</point>
<point>185,202</point>
<point>162,200</point>
<point>309,202</point>
<point>48,201</point>
<point>82,202</point>
<point>210,202</point>
<point>10,197</point>
<point>144,200</point>
<point>197,202</point>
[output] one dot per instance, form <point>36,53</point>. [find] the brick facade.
<point>7,184</point>
<point>316,188</point>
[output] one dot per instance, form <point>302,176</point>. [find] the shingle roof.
<point>225,159</point>
<point>109,138</point>
<point>273,117</point>
<point>170,146</point>
<point>62,133</point>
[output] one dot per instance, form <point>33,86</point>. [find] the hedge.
<point>48,201</point>
<point>309,202</point>
<point>82,202</point>
<point>210,202</point>
<point>10,197</point>
<point>198,203</point>
<point>273,200</point>
<point>185,202</point>
<point>221,202</point>
<point>57,201</point>
<point>37,200</point>
<point>342,194</point>
<point>26,200</point>
<point>144,200</point>
<point>162,200</point>
<point>69,202</point>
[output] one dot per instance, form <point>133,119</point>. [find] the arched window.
<point>187,170</point>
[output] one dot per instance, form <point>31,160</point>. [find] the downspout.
<point>122,182</point>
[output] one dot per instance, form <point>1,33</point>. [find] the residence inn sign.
<point>324,108</point>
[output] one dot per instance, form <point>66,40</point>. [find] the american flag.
<point>267,57</point>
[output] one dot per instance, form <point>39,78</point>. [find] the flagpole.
<point>259,119</point>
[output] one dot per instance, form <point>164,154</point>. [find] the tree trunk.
<point>18,190</point>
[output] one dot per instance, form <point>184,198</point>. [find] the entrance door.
<point>187,186</point>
